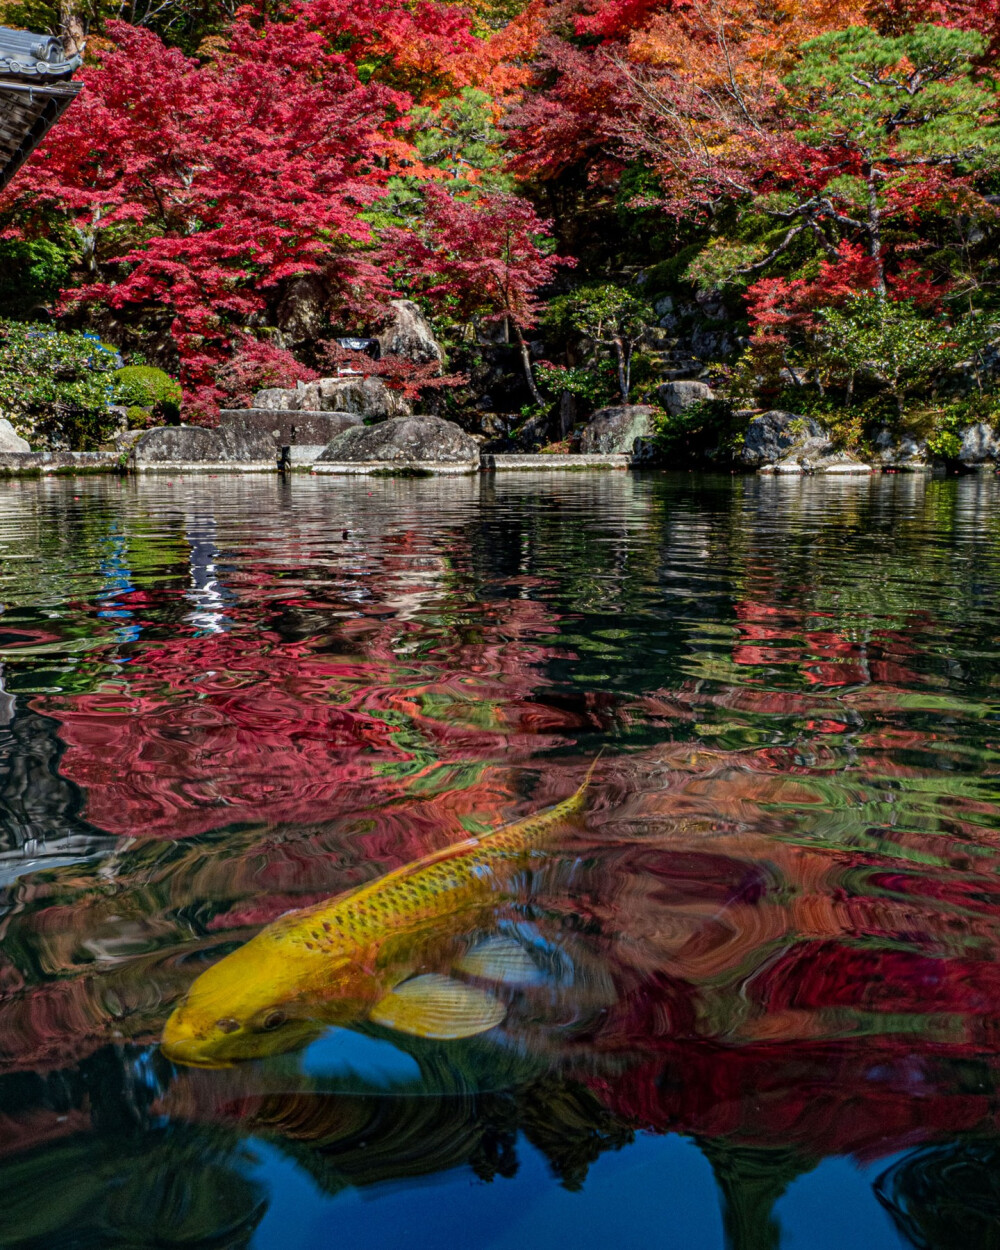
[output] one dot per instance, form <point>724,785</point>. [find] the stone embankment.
<point>351,424</point>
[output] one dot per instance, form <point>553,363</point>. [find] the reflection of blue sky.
<point>116,576</point>
<point>659,1192</point>
<point>209,594</point>
<point>349,1054</point>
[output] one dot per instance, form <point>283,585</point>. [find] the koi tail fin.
<point>576,801</point>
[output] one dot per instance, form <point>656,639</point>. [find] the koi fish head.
<point>253,1003</point>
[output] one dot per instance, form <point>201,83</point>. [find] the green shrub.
<point>705,427</point>
<point>944,440</point>
<point>32,273</point>
<point>142,386</point>
<point>56,387</point>
<point>138,418</point>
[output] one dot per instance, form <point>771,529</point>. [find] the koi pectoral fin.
<point>502,960</point>
<point>438,1007</point>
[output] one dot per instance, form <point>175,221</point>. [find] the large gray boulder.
<point>979,445</point>
<point>626,429</point>
<point>402,444</point>
<point>176,447</point>
<point>303,311</point>
<point>305,434</point>
<point>676,396</point>
<point>409,334</point>
<point>10,440</point>
<point>773,435</point>
<point>366,397</point>
<point>276,398</point>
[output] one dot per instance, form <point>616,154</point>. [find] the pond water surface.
<point>759,1001</point>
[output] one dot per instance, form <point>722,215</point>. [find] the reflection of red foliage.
<point>865,1099</point>
<point>246,727</point>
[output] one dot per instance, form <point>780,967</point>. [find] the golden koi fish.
<point>355,957</point>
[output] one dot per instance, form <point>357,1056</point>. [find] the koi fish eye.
<point>227,1024</point>
<point>273,1020</point>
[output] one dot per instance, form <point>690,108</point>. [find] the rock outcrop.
<point>276,399</point>
<point>10,440</point>
<point>626,429</point>
<point>783,442</point>
<point>366,397</point>
<point>903,452</point>
<point>772,436</point>
<point>980,447</point>
<point>400,445</point>
<point>676,396</point>
<point>409,334</point>
<point>351,393</point>
<point>176,447</point>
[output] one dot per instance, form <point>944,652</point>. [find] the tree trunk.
<point>71,28</point>
<point>875,232</point>
<point>623,381</point>
<point>529,376</point>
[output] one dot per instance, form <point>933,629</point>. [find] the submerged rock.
<point>401,444</point>
<point>627,429</point>
<point>817,455</point>
<point>409,334</point>
<point>10,440</point>
<point>179,446</point>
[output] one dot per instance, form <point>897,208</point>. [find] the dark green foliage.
<point>56,387</point>
<point>142,386</point>
<point>609,316</point>
<point>32,273</point>
<point>706,428</point>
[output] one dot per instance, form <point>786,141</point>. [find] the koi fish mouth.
<point>189,1053</point>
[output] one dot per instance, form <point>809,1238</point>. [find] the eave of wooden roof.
<point>35,91</point>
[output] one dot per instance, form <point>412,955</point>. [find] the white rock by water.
<point>10,440</point>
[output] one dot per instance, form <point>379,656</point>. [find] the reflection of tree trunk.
<point>71,27</point>
<point>536,395</point>
<point>751,1179</point>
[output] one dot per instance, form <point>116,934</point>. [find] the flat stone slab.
<point>493,462</point>
<point>393,468</point>
<point>836,469</point>
<point>193,449</point>
<point>14,463</point>
<point>288,428</point>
